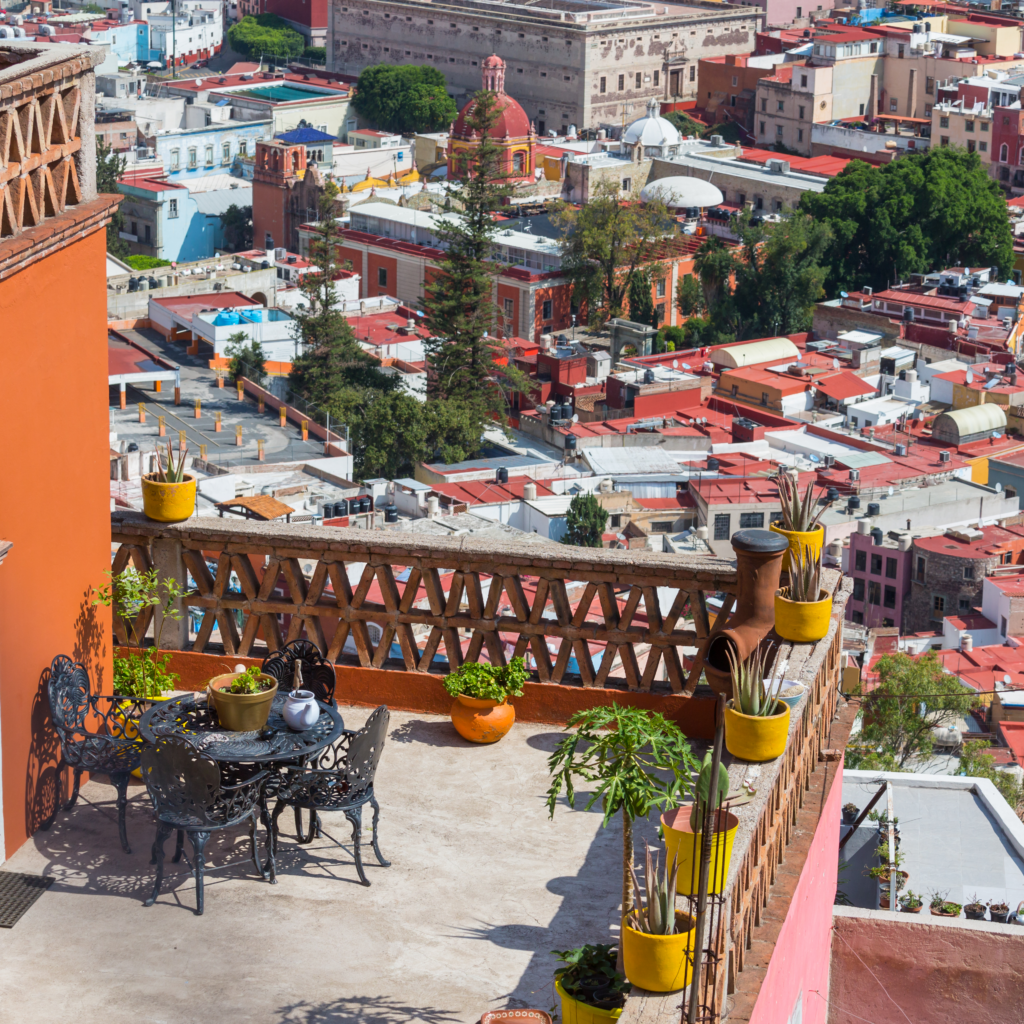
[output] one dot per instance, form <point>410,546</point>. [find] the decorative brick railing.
<point>516,595</point>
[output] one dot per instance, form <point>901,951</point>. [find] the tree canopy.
<point>236,222</point>
<point>584,522</point>
<point>265,35</point>
<point>920,213</point>
<point>110,166</point>
<point>405,98</point>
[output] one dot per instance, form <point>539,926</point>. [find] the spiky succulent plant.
<point>748,684</point>
<point>656,916</point>
<point>175,471</point>
<point>798,515</point>
<point>804,575</point>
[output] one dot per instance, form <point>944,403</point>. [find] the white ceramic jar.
<point>300,710</point>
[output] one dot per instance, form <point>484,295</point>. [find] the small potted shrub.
<point>481,712</point>
<point>911,903</point>
<point>683,837</point>
<point>591,989</point>
<point>941,907</point>
<point>800,524</point>
<point>850,813</point>
<point>656,938</point>
<point>169,495</point>
<point>998,912</point>
<point>803,609</point>
<point>975,910</point>
<point>242,698</point>
<point>882,873</point>
<point>756,724</point>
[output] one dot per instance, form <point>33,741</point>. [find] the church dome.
<point>511,121</point>
<point>652,130</point>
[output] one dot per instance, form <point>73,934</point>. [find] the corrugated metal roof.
<point>614,461</point>
<point>213,204</point>
<point>858,460</point>
<point>976,419</point>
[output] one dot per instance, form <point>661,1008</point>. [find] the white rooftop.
<point>612,461</point>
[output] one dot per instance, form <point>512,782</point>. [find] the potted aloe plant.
<point>242,698</point>
<point>169,495</point>
<point>756,723</point>
<point>804,608</point>
<point>592,991</point>
<point>481,712</point>
<point>800,521</point>
<point>656,938</point>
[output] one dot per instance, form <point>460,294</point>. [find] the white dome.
<point>652,130</point>
<point>682,191</point>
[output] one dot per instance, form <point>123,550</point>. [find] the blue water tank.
<point>225,318</point>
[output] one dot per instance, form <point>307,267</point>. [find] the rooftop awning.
<point>257,506</point>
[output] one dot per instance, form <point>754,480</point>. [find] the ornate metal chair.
<point>317,672</point>
<point>341,779</point>
<point>198,796</point>
<point>111,744</point>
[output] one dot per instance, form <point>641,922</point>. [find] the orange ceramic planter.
<point>481,721</point>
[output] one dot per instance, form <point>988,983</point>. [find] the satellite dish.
<point>999,488</point>
<point>835,364</point>
<point>844,295</point>
<point>675,364</point>
<point>891,491</point>
<point>686,366</point>
<point>575,417</point>
<point>621,537</point>
<point>996,435</point>
<point>815,458</point>
<point>970,377</point>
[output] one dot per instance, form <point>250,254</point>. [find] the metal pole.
<point>711,811</point>
<point>174,39</point>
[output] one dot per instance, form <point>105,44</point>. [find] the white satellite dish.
<point>575,417</point>
<point>970,377</point>
<point>835,364</point>
<point>996,435</point>
<point>891,491</point>
<point>621,537</point>
<point>999,488</point>
<point>675,364</point>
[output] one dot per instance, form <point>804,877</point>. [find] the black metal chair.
<point>198,796</point>
<point>111,745</point>
<point>341,779</point>
<point>317,672</point>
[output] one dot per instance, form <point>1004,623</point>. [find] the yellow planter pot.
<point>575,1012</point>
<point>810,540</point>
<point>169,503</point>
<point>756,739</point>
<point>684,845</point>
<point>130,731</point>
<point>658,963</point>
<point>803,622</point>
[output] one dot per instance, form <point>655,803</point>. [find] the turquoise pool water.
<point>282,93</point>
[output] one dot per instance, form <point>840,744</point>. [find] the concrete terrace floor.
<point>482,886</point>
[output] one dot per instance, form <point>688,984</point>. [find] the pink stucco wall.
<point>799,967</point>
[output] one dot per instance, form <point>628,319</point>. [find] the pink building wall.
<point>799,968</point>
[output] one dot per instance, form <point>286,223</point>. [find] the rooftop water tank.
<point>570,442</point>
<point>226,318</point>
<point>390,513</point>
<point>853,502</point>
<point>877,536</point>
<point>874,508</point>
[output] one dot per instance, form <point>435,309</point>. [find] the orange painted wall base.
<point>423,692</point>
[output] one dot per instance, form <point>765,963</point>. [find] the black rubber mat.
<point>17,893</point>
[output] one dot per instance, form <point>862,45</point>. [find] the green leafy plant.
<point>252,680</point>
<point>953,909</point>
<point>656,916</point>
<point>175,471</point>
<point>798,516</point>
<point>585,522</point>
<point>142,671</point>
<point>638,759</point>
<point>702,792</point>
<point>936,898</point>
<point>487,682</point>
<point>804,575</point>
<point>910,901</point>
<point>748,685</point>
<point>589,975</point>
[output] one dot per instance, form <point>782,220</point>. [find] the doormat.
<point>17,893</point>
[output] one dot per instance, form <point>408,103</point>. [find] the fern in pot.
<point>804,608</point>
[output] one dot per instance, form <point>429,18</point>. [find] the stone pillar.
<point>169,564</point>
<point>871,110</point>
<point>912,94</point>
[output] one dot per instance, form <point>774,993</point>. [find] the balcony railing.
<point>577,614</point>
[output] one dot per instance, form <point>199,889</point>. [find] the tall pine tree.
<point>465,357</point>
<point>330,359</point>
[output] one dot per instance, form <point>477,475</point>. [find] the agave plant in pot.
<point>169,495</point>
<point>800,521</point>
<point>592,991</point>
<point>804,608</point>
<point>756,722</point>
<point>657,939</point>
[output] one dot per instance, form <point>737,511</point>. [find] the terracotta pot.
<point>481,721</point>
<point>659,963</point>
<point>758,567</point>
<point>943,913</point>
<point>684,844</point>
<point>911,910</point>
<point>240,712</point>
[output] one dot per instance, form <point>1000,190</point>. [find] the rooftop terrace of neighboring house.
<point>290,86</point>
<point>990,540</point>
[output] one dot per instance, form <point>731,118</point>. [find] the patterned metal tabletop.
<point>191,718</point>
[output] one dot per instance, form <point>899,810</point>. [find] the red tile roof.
<point>683,499</point>
<point>994,540</point>
<point>843,385</point>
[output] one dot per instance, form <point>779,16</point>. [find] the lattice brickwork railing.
<point>576,613</point>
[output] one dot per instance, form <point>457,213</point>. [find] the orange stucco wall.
<point>54,463</point>
<point>374,263</point>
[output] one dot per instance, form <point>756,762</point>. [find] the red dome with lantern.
<point>512,129</point>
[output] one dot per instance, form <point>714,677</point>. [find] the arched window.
<point>1004,153</point>
<point>518,163</point>
<point>1020,156</point>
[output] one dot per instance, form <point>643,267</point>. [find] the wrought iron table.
<point>192,719</point>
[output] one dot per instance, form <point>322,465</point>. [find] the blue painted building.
<point>192,153</point>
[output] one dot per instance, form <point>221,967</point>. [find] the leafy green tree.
<point>406,98</point>
<point>331,358</point>
<point>247,358</point>
<point>714,265</point>
<point>584,522</point>
<point>265,35</point>
<point>466,360</point>
<point>639,759</point>
<point>922,212</point>
<point>780,277</point>
<point>690,296</point>
<point>977,763</point>
<point>236,222</point>
<point>390,436</point>
<point>686,124</point>
<point>603,243</point>
<point>316,54</point>
<point>670,338</point>
<point>453,431</point>
<point>110,166</point>
<point>912,697</point>
<point>641,304</point>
